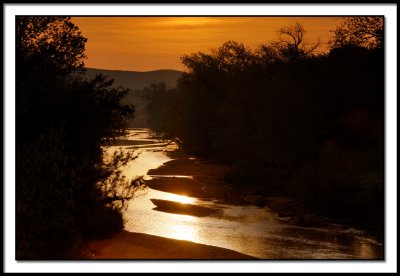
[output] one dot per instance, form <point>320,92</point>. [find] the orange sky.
<point>151,43</point>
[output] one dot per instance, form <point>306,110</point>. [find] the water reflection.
<point>248,229</point>
<point>181,198</point>
<point>183,230</point>
<point>140,217</point>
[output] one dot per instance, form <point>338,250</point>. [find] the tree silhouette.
<point>54,41</point>
<point>364,31</point>
<point>65,190</point>
<point>290,45</point>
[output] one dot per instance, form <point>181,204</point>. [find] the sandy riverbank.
<point>128,245</point>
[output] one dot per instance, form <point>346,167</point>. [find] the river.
<point>250,230</point>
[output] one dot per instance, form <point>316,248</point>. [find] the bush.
<point>340,187</point>
<point>45,209</point>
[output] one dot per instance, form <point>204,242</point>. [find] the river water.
<point>247,229</point>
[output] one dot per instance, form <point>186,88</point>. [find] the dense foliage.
<point>66,191</point>
<point>290,122</point>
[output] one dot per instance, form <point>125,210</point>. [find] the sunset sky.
<point>152,43</point>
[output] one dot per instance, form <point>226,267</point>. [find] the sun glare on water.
<point>181,198</point>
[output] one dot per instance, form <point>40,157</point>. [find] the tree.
<point>65,189</point>
<point>230,57</point>
<point>47,49</point>
<point>53,41</point>
<point>364,31</point>
<point>291,45</point>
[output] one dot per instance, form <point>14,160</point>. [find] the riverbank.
<point>128,245</point>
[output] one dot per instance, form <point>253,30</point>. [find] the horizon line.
<point>124,70</point>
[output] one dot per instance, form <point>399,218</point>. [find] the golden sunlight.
<point>184,228</point>
<point>189,21</point>
<point>180,198</point>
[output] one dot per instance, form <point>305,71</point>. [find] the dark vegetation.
<point>66,192</point>
<point>289,121</point>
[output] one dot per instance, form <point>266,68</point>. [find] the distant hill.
<point>134,81</point>
<point>138,80</point>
